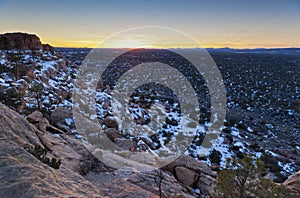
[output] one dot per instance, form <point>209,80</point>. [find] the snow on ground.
<point>271,153</point>
<point>69,121</point>
<point>2,61</point>
<point>44,66</point>
<point>223,149</point>
<point>287,168</point>
<point>235,132</point>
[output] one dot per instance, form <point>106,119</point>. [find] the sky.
<point>212,23</point>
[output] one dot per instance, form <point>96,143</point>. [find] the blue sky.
<point>214,23</point>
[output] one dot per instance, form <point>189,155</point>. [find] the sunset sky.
<point>213,23</point>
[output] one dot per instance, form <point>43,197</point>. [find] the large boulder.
<point>190,163</point>
<point>62,118</point>
<point>111,122</point>
<point>186,176</point>
<point>151,180</point>
<point>192,172</point>
<point>206,183</point>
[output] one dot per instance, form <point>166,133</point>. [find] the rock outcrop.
<point>23,175</point>
<point>293,184</point>
<point>22,41</point>
<point>81,173</point>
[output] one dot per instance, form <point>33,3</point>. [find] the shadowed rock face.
<point>22,41</point>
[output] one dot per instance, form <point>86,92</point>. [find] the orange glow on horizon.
<point>126,43</point>
<point>134,43</point>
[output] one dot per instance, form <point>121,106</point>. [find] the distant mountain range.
<point>256,50</point>
<point>231,50</point>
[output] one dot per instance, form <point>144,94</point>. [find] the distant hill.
<point>257,50</point>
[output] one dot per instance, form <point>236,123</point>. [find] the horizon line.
<point>229,48</point>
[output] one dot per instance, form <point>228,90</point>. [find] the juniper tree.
<point>243,178</point>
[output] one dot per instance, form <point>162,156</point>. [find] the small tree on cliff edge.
<point>36,91</point>
<point>243,178</point>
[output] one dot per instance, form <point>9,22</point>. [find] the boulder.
<point>192,172</point>
<point>110,122</point>
<point>64,94</point>
<point>112,133</point>
<point>35,117</point>
<point>62,118</point>
<point>186,176</point>
<point>190,163</point>
<point>15,128</point>
<point>150,181</point>
<point>126,144</point>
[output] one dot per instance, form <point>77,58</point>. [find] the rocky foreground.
<point>81,173</point>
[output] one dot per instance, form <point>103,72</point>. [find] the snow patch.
<point>69,121</point>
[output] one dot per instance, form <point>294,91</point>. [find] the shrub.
<point>271,163</point>
<point>215,156</point>
<point>40,153</point>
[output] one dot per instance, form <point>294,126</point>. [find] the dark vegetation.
<point>244,178</point>
<point>40,153</point>
<point>158,179</point>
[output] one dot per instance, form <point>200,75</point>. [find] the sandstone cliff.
<point>22,41</point>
